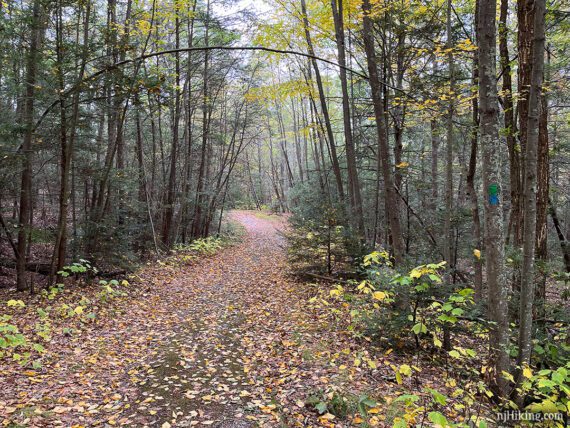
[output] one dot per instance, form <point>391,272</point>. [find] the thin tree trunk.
<point>355,196</point>
<point>542,189</point>
<point>167,237</point>
<point>529,232</point>
<point>472,191</point>
<point>383,150</point>
<point>25,214</point>
<point>564,245</point>
<point>324,107</point>
<point>515,221</point>
<point>197,228</point>
<point>494,241</point>
<point>67,143</point>
<point>447,229</point>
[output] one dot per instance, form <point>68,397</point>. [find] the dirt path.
<point>207,373</point>
<point>226,341</point>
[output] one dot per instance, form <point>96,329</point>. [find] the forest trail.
<point>232,313</point>
<point>229,340</point>
<point>194,344</point>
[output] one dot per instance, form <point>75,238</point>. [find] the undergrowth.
<point>434,327</point>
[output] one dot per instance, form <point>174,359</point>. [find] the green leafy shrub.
<point>110,290</point>
<point>343,405</point>
<point>207,246</point>
<point>201,246</point>
<point>547,391</point>
<point>416,409</point>
<point>52,292</point>
<point>13,343</point>
<point>319,238</point>
<point>416,304</point>
<point>77,268</point>
<point>333,403</point>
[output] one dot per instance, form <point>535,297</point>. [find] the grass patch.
<point>265,215</point>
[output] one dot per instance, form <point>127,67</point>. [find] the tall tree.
<point>171,189</point>
<point>390,194</point>
<point>447,227</point>
<point>531,146</point>
<point>25,215</point>
<point>323,102</point>
<point>494,234</point>
<point>515,221</point>
<point>353,182</point>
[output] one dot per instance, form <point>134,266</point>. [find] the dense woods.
<point>420,151</point>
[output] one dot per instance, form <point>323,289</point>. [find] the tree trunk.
<point>167,237</point>
<point>447,229</point>
<point>324,107</point>
<point>67,142</point>
<point>25,214</point>
<point>383,150</point>
<point>494,241</point>
<point>472,191</point>
<point>542,189</point>
<point>197,227</point>
<point>529,232</point>
<point>515,221</point>
<point>355,196</point>
<point>564,245</point>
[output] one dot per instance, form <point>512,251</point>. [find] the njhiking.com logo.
<point>518,416</point>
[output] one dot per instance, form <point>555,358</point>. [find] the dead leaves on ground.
<point>231,338</point>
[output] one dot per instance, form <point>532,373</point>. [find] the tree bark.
<point>167,237</point>
<point>25,214</point>
<point>383,150</point>
<point>67,142</point>
<point>447,229</point>
<point>323,101</point>
<point>515,221</point>
<point>494,241</point>
<point>564,244</point>
<point>472,191</point>
<point>355,196</point>
<point>197,228</point>
<point>542,190</point>
<point>529,232</point>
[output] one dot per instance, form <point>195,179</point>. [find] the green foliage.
<point>546,391</point>
<point>77,268</point>
<point>552,350</point>
<point>199,247</point>
<point>13,343</point>
<point>53,291</point>
<point>416,303</point>
<point>342,405</point>
<point>115,246</point>
<point>110,290</point>
<point>410,409</point>
<point>16,303</point>
<point>319,237</point>
<point>206,246</point>
<point>333,403</point>
<point>427,309</point>
<point>10,337</point>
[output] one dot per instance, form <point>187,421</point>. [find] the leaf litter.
<point>225,341</point>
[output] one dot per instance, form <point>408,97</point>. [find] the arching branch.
<point>144,57</point>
